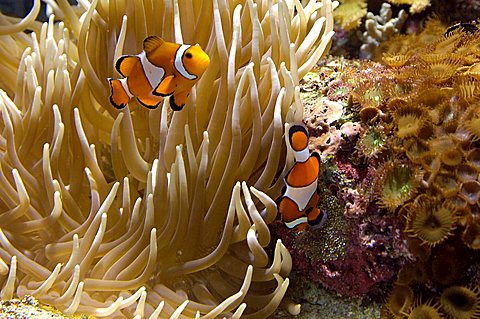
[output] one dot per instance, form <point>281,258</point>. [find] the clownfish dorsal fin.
<point>151,43</point>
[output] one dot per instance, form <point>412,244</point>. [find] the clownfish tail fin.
<point>119,96</point>
<point>125,64</point>
<point>316,217</point>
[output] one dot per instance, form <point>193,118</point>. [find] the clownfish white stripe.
<point>178,62</point>
<point>153,73</point>
<point>301,156</point>
<point>301,195</point>
<point>296,222</point>
<point>125,87</point>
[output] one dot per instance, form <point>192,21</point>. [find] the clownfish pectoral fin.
<point>151,43</point>
<point>166,86</point>
<point>119,97</point>
<point>125,64</point>
<point>177,100</point>
<point>150,102</point>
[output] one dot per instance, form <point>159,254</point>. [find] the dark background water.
<point>20,8</point>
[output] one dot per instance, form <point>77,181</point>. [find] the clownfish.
<point>298,204</point>
<point>161,69</point>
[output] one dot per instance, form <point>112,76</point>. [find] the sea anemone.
<point>428,310</point>
<point>413,272</point>
<point>409,120</point>
<point>461,206</point>
<point>466,172</point>
<point>473,126</point>
<point>470,191</point>
<point>369,113</point>
<point>467,87</point>
<point>473,157</point>
<point>438,112</point>
<point>399,300</point>
<point>123,213</point>
<point>395,60</point>
<point>446,149</point>
<point>432,97</point>
<point>432,31</point>
<point>461,302</point>
<point>416,149</point>
<point>374,95</point>
<point>451,157</point>
<point>472,46</point>
<point>406,275</point>
<point>440,69</point>
<point>449,265</point>
<point>396,183</point>
<point>421,251</point>
<point>444,45</point>
<point>385,313</point>
<point>471,234</point>
<point>446,183</point>
<point>430,220</point>
<point>372,141</point>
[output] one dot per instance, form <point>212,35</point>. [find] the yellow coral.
<point>350,13</point>
<point>416,6</point>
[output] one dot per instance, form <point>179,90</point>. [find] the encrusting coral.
<point>423,97</point>
<point>129,214</point>
<point>406,181</point>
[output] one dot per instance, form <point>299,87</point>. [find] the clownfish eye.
<point>188,55</point>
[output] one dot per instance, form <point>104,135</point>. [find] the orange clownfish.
<point>161,69</point>
<point>298,205</point>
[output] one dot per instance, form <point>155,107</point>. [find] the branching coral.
<point>124,214</point>
<point>351,12</point>
<point>379,28</point>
